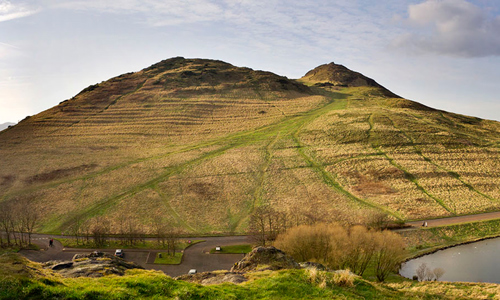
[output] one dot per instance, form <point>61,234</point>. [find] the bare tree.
<point>361,248</point>
<point>7,220</point>
<point>172,238</point>
<point>378,220</point>
<point>438,273</point>
<point>100,231</point>
<point>422,271</point>
<point>133,231</point>
<point>258,224</point>
<point>28,216</point>
<point>76,228</point>
<point>267,223</point>
<point>160,229</point>
<point>389,253</point>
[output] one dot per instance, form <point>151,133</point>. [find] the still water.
<point>476,262</point>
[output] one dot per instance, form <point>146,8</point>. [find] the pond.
<point>476,262</point>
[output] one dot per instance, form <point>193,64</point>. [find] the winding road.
<point>195,257</point>
<point>198,256</point>
<point>457,220</point>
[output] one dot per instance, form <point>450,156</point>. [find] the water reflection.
<point>477,262</point>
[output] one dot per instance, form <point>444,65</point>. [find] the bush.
<point>339,248</point>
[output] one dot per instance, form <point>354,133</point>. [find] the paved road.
<point>195,257</point>
<point>456,220</point>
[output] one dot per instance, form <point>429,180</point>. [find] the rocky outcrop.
<point>218,277</point>
<point>337,75</point>
<point>96,264</point>
<point>313,265</point>
<point>265,258</point>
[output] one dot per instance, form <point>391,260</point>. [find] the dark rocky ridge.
<point>179,72</point>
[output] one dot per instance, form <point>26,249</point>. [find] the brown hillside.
<point>200,144</point>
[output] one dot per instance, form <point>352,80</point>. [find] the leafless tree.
<point>172,239</point>
<point>7,220</point>
<point>360,250</point>
<point>100,231</point>
<point>160,229</point>
<point>438,273</point>
<point>388,253</point>
<point>422,271</point>
<point>76,228</point>
<point>258,224</point>
<point>29,216</point>
<point>267,223</point>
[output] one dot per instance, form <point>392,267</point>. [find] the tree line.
<point>18,220</point>
<point>129,231</point>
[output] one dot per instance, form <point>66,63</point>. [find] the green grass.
<point>168,259</point>
<point>426,240</point>
<point>233,249</point>
<point>286,284</point>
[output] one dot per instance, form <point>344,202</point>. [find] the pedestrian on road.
<point>51,242</point>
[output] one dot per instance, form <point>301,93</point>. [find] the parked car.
<point>119,253</point>
<point>192,271</point>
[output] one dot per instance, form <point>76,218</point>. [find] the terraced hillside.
<point>202,143</point>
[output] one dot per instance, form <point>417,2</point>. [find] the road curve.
<point>456,220</point>
<point>195,257</point>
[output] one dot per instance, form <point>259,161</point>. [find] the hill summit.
<point>201,145</point>
<point>337,75</point>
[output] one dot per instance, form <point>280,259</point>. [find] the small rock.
<point>270,257</point>
<point>61,266</point>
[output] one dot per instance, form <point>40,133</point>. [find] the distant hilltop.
<point>6,125</point>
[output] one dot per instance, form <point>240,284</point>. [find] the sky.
<point>442,53</point>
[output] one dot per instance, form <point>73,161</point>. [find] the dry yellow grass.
<point>206,150</point>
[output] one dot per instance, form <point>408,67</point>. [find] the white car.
<point>192,271</point>
<point>119,252</point>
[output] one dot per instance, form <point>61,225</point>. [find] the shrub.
<point>338,248</point>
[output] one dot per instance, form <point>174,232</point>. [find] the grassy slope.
<point>33,282</point>
<point>205,155</point>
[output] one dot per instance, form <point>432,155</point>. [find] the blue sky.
<point>442,53</point>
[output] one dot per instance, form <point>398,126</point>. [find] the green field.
<point>168,259</point>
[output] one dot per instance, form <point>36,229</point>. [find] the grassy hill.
<point>201,144</point>
<point>22,279</point>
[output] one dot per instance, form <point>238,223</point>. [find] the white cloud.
<point>451,27</point>
<point>9,11</point>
